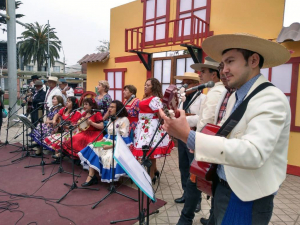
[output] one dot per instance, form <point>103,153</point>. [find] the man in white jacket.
<point>65,89</point>
<point>53,90</point>
<point>208,72</point>
<point>185,158</point>
<point>253,157</point>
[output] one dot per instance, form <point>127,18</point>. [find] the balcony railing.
<point>189,30</point>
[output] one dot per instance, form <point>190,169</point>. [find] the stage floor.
<point>286,209</point>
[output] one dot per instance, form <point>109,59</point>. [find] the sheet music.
<point>26,121</point>
<point>133,168</point>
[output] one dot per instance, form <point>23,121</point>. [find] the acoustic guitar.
<point>201,172</point>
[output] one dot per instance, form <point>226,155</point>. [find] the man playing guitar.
<point>253,157</point>
<point>209,72</point>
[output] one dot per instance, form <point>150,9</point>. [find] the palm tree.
<point>34,46</point>
<point>3,8</point>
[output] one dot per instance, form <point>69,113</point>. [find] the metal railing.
<point>189,30</point>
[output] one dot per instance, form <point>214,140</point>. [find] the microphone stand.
<point>42,163</point>
<point>147,163</point>
<point>112,188</point>
<point>73,185</point>
<point>35,123</point>
<point>27,154</point>
<point>60,168</point>
<point>10,114</point>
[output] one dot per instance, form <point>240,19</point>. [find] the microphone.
<point>182,88</point>
<point>209,84</point>
<point>131,97</point>
<point>54,107</point>
<point>42,103</point>
<point>77,109</point>
<point>98,110</point>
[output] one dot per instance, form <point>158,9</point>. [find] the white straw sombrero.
<point>208,63</point>
<point>273,53</point>
<point>188,76</point>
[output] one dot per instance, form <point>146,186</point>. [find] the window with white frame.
<point>29,68</point>
<point>188,8</point>
<point>156,12</point>
<point>115,78</point>
<point>183,65</point>
<point>281,77</point>
<point>162,72</point>
<point>56,69</point>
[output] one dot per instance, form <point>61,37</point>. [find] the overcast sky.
<point>81,24</point>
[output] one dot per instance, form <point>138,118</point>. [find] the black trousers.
<point>191,194</point>
<point>185,159</point>
<point>262,208</point>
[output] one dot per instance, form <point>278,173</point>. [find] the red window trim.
<point>155,19</point>
<point>293,94</point>
<point>123,70</point>
<point>294,89</point>
<point>207,17</point>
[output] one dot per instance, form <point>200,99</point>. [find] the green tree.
<point>3,8</point>
<point>34,45</point>
<point>104,46</point>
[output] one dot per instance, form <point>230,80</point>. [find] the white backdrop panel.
<point>166,71</point>
<point>118,80</point>
<point>282,77</point>
<point>110,79</point>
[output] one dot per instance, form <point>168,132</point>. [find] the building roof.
<point>291,33</point>
<point>96,57</point>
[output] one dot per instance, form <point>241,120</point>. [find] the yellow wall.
<point>263,18</point>
<point>294,153</point>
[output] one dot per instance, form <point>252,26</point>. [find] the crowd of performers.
<point>78,133</point>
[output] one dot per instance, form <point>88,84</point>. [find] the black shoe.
<point>180,200</point>
<point>77,162</point>
<point>94,180</point>
<point>55,161</point>
<point>55,156</point>
<point>198,207</point>
<point>157,174</point>
<point>33,146</point>
<point>203,221</point>
<point>154,180</point>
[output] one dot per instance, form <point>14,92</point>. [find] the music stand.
<point>112,188</point>
<point>42,164</point>
<point>139,176</point>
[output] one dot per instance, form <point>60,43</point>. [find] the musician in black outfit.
<point>1,108</point>
<point>38,97</point>
<point>185,158</point>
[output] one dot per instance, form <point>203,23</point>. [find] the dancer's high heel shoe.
<point>92,181</point>
<point>154,180</point>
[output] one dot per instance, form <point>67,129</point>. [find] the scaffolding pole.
<point>11,53</point>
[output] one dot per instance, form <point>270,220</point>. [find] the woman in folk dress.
<point>100,158</point>
<point>147,124</point>
<point>71,116</point>
<point>84,137</point>
<point>132,107</point>
<point>47,127</point>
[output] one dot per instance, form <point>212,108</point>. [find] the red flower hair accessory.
<point>76,101</point>
<point>93,100</point>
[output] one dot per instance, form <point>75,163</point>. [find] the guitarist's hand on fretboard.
<point>176,127</point>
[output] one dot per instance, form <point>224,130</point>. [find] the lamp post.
<point>48,53</point>
<point>64,58</point>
